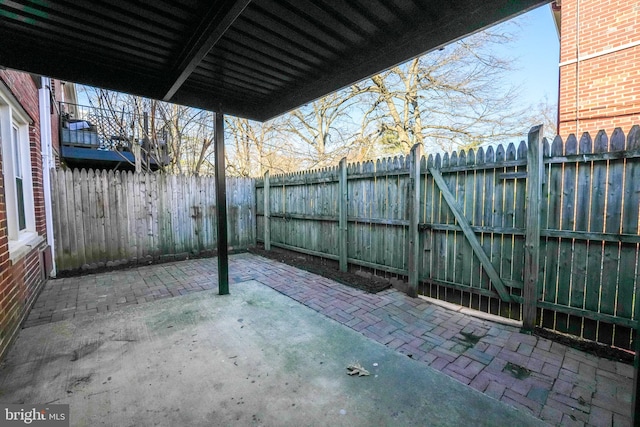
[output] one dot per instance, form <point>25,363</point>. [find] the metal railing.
<point>117,131</point>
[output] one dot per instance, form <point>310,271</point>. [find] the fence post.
<point>342,214</point>
<point>535,173</point>
<point>414,213</point>
<point>267,214</point>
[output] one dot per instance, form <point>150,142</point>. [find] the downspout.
<point>44,93</point>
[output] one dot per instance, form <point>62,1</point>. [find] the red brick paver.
<point>555,383</point>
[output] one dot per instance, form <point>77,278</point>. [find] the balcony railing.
<point>93,135</point>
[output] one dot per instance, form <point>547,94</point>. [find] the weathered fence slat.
<point>611,251</point>
<point>628,279</point>
<point>587,258</point>
<point>553,196</point>
<point>110,218</point>
<point>487,220</point>
<point>508,220</point>
<point>499,216</point>
<point>82,242</point>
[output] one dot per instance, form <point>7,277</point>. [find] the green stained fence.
<point>543,232</point>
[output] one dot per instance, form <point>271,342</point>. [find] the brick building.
<point>599,65</point>
<point>28,141</point>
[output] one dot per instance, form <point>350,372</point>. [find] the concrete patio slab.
<point>254,357</point>
<point>551,381</point>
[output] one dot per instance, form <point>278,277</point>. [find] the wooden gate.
<point>550,239</point>
<point>474,230</point>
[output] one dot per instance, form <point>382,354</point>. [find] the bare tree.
<point>456,97</point>
<point>546,113</point>
<point>325,129</point>
<point>258,147</point>
<point>191,140</point>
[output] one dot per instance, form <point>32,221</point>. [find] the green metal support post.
<point>221,204</point>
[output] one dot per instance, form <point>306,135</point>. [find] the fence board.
<point>500,244</point>
<point>108,218</point>
<point>77,194</point>
<point>110,215</point>
<point>611,253</point>
<point>61,232</point>
<point>585,292</point>
<point>69,202</point>
<point>552,221</point>
<point>489,176</point>
<point>518,240</point>
<point>628,278</point>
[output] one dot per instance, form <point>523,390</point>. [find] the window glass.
<point>22,220</point>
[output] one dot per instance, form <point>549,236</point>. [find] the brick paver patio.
<point>553,382</point>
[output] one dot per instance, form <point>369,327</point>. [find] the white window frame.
<point>14,121</point>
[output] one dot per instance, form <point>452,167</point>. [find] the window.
<point>16,168</point>
<point>17,172</point>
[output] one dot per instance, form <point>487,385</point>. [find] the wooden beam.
<point>588,314</point>
<point>206,34</point>
<point>414,213</point>
<point>342,215</point>
<point>496,281</point>
<point>535,172</point>
<point>221,207</point>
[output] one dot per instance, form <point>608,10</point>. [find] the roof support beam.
<point>212,27</point>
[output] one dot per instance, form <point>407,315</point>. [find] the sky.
<point>537,51</point>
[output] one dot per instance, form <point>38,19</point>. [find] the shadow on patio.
<point>262,334</point>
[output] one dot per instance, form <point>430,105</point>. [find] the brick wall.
<point>21,279</point>
<point>599,66</point>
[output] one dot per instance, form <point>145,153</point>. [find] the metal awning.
<point>253,59</point>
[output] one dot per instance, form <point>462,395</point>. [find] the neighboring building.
<point>28,135</point>
<point>599,65</point>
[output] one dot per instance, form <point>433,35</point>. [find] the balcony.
<point>104,139</point>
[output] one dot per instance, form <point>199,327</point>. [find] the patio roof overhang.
<point>253,59</point>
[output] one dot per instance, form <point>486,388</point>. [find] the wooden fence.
<point>542,232</point>
<point>110,218</point>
